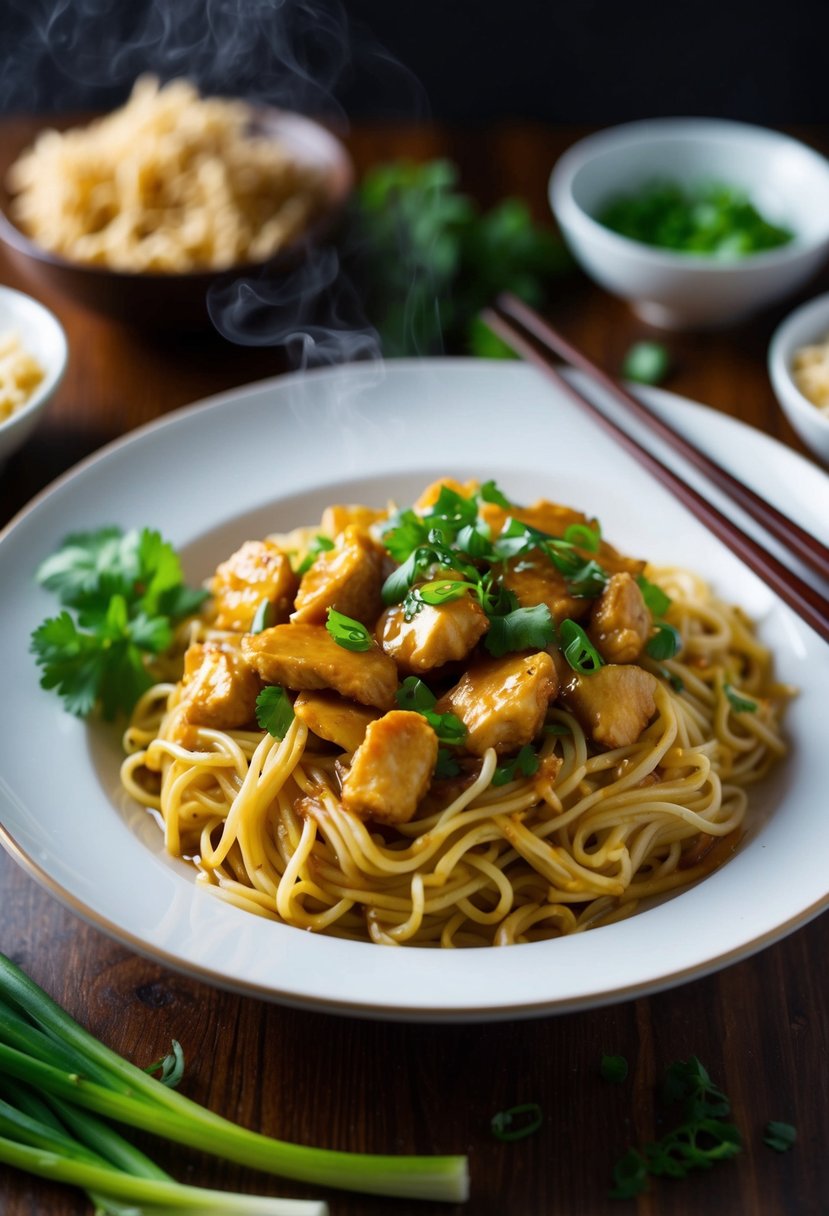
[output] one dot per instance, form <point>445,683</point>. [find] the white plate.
<point>271,456</point>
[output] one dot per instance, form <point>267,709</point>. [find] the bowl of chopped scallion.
<point>696,222</point>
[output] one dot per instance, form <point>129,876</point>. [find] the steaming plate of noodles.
<point>469,702</point>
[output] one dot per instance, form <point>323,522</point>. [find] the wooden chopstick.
<point>801,543</point>
<point>802,598</point>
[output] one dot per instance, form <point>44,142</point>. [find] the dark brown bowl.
<point>179,301</point>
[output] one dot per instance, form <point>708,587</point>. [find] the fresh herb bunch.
<point>122,595</point>
<point>426,259</point>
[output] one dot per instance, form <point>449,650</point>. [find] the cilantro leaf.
<point>127,591</point>
<point>417,697</point>
<point>274,711</point>
<point>524,764</point>
<point>521,629</point>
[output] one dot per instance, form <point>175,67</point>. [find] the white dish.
<point>42,336</point>
<point>785,179</point>
<point>270,456</point>
<point>807,325</point>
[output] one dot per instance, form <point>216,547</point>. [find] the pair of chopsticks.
<point>531,337</point>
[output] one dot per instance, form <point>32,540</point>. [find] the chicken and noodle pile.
<point>463,723</point>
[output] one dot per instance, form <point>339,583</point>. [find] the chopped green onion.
<point>584,536</point>
<point>646,363</point>
<point>263,617</point>
<point>656,600</point>
<point>577,648</point>
<point>318,544</point>
<point>518,1122</point>
<point>739,703</point>
<point>170,1068</point>
<point>614,1069</point>
<point>779,1136</point>
<point>348,633</point>
<point>665,643</point>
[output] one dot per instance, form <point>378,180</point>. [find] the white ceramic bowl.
<point>787,181</point>
<point>41,334</point>
<point>807,325</point>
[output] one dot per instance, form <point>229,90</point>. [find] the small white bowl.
<point>42,336</point>
<point>787,181</point>
<point>807,325</point>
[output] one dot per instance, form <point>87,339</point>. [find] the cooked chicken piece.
<point>431,494</point>
<point>620,621</point>
<point>392,768</point>
<point>347,578</point>
<point>502,702</point>
<point>438,634</point>
<point>533,579</point>
<point>614,704</point>
<point>335,719</point>
<point>219,687</point>
<point>257,571</point>
<point>336,518</point>
<point>554,519</point>
<point>301,656</point>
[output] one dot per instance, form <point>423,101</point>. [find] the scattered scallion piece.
<point>739,703</point>
<point>614,1068</point>
<point>127,1094</point>
<point>577,648</point>
<point>779,1136</point>
<point>348,633</point>
<point>518,1122</point>
<point>712,219</point>
<point>646,363</point>
<point>418,698</point>
<point>524,764</point>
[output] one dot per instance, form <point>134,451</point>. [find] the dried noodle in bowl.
<point>171,182</point>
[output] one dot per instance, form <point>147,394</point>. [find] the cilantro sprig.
<point>417,697</point>
<point>122,594</point>
<point>701,1138</point>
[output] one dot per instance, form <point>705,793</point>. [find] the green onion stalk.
<point>57,1080</point>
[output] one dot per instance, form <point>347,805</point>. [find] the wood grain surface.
<point>761,1026</point>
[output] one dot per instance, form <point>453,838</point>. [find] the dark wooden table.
<point>761,1026</point>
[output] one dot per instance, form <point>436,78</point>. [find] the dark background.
<point>464,61</point>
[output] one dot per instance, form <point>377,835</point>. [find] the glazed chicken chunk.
<point>502,702</point>
<point>614,704</point>
<point>333,718</point>
<point>257,571</point>
<point>392,769</point>
<point>347,578</point>
<point>437,634</point>
<point>620,621</point>
<point>219,688</point>
<point>300,656</point>
<point>533,579</point>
